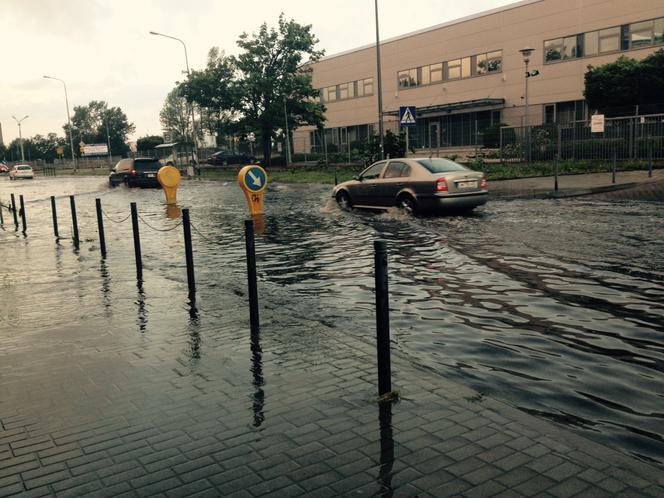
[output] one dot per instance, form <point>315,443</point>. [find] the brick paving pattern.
<point>81,417</point>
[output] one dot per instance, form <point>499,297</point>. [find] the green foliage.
<point>91,122</point>
<point>394,146</point>
<point>148,142</point>
<point>492,135</point>
<point>273,81</point>
<point>625,82</point>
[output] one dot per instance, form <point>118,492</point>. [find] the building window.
<point>550,114</point>
<point>569,47</point>
<point>343,91</point>
<point>454,69</point>
<point>494,61</point>
<point>553,50</point>
<point>368,86</point>
<point>331,94</point>
<point>658,31</point>
<point>641,34</point>
<point>436,72</point>
<point>591,43</point>
<point>424,75</point>
<point>465,67</point>
<point>609,40</point>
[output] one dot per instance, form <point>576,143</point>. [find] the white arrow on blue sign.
<point>407,115</point>
<point>255,179</point>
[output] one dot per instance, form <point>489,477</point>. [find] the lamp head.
<point>525,52</point>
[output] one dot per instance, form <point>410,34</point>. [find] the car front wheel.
<point>343,200</point>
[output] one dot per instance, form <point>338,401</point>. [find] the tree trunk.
<point>267,146</point>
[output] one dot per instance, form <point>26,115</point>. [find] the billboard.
<point>94,149</point>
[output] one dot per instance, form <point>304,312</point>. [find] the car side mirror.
<point>358,178</point>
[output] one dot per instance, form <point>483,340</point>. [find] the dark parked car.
<point>139,172</point>
<point>417,184</point>
<point>224,158</point>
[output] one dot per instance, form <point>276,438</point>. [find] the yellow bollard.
<point>253,180</point>
<point>169,178</point>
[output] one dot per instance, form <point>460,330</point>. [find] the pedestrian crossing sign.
<point>407,115</point>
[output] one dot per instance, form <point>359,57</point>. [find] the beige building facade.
<point>467,75</point>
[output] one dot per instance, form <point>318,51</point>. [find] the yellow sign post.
<point>169,178</point>
<point>253,180</point>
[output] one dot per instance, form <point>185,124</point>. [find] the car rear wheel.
<point>407,204</point>
<point>343,200</point>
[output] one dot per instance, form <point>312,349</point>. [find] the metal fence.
<point>635,138</point>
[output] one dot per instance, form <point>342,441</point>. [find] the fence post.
<point>100,226</point>
<point>251,274</point>
<point>558,155</point>
<point>23,219</point>
<point>14,210</point>
<point>189,254</point>
<point>613,176</point>
<point>382,318</point>
<point>649,158</point>
<point>137,243</point>
<point>54,213</point>
<point>500,143</point>
<point>74,221</point>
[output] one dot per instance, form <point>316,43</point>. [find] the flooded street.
<point>556,307</point>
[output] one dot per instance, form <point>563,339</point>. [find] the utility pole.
<point>288,152</point>
<point>380,89</point>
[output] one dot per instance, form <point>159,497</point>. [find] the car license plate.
<point>467,184</point>
<point>150,175</point>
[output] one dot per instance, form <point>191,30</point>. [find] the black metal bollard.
<point>14,211</point>
<point>189,254</point>
<point>2,217</point>
<point>54,212</point>
<point>613,176</point>
<point>100,226</point>
<point>251,274</point>
<point>24,221</point>
<point>137,242</point>
<point>74,222</point>
<point>382,319</point>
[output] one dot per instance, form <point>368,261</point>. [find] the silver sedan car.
<point>415,185</point>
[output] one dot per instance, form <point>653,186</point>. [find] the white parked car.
<point>21,171</point>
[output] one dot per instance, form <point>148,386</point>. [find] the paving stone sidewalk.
<point>290,412</point>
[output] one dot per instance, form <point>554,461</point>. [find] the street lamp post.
<point>71,140</point>
<point>380,89</point>
<point>20,136</point>
<point>191,109</point>
<point>525,52</point>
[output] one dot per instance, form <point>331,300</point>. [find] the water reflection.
<point>386,448</point>
<point>258,397</point>
<point>173,211</point>
<point>142,316</point>
<point>106,289</point>
<point>194,332</point>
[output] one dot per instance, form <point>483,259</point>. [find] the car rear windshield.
<point>441,165</point>
<point>146,164</point>
<point>24,168</point>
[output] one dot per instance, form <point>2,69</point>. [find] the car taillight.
<point>483,184</point>
<point>133,172</point>
<point>441,185</point>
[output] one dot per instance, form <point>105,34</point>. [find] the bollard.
<point>189,254</point>
<point>137,242</point>
<point>251,274</point>
<point>382,318</point>
<point>14,211</point>
<point>613,176</point>
<point>100,225</point>
<point>55,217</point>
<point>2,218</point>
<point>24,222</point>
<point>74,221</point>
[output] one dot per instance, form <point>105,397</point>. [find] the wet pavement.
<point>544,307</point>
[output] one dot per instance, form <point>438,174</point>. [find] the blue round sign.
<point>255,179</point>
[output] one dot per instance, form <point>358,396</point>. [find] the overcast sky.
<point>103,51</point>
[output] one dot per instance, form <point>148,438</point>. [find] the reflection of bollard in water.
<point>169,178</point>
<point>173,211</point>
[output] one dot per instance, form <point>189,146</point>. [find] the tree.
<point>148,142</point>
<point>626,82</point>
<point>90,125</point>
<point>174,116</point>
<point>3,152</point>
<point>212,90</point>
<point>272,76</point>
<point>394,146</point>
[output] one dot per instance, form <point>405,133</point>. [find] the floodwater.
<point>556,307</point>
